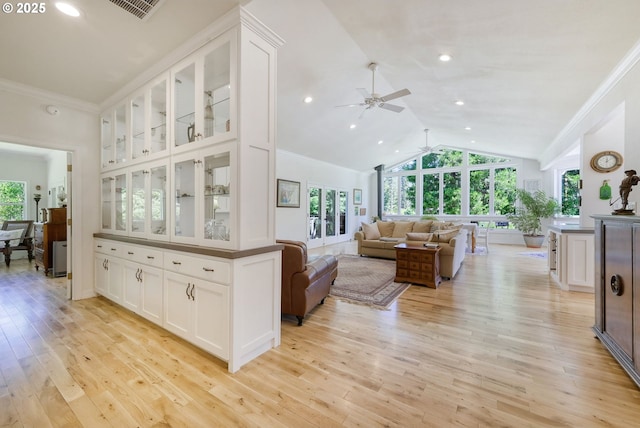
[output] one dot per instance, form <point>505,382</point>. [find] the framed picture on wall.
<point>357,196</point>
<point>288,194</point>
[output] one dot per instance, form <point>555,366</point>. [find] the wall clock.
<point>606,161</point>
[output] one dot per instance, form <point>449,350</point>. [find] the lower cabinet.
<point>198,311</point>
<point>143,293</point>
<point>617,293</point>
<point>227,304</point>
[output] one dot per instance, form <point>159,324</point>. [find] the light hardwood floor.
<point>499,345</point>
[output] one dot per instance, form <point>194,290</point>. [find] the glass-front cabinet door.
<point>114,203</point>
<point>113,139</point>
<point>202,88</point>
<point>158,117</point>
<point>216,205</point>
<point>138,127</point>
<point>202,197</point>
<point>149,201</point>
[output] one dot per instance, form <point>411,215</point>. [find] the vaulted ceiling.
<point>522,68</point>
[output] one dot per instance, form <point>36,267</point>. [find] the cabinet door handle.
<point>617,285</point>
<point>130,253</point>
<point>113,249</point>
<point>206,269</point>
<point>99,246</point>
<point>150,257</point>
<point>193,296</point>
<point>176,263</point>
<point>186,290</point>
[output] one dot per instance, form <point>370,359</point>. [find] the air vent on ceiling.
<point>142,9</point>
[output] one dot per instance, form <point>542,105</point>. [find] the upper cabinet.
<point>210,120</point>
<point>202,95</point>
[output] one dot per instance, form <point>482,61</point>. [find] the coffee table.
<point>418,264</point>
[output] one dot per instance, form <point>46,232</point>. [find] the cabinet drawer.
<point>200,267</point>
<point>111,248</point>
<point>143,255</point>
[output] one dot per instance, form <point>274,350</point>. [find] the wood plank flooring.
<point>499,345</point>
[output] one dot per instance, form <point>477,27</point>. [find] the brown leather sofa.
<point>305,282</point>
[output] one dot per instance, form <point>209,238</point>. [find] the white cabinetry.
<point>198,311</point>
<point>571,257</point>
<point>206,125</point>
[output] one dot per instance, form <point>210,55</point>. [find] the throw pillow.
<point>438,225</point>
<point>386,228</point>
<point>422,226</point>
<point>371,231</point>
<point>419,236</point>
<point>401,228</point>
<point>385,239</point>
<point>11,234</point>
<point>444,235</point>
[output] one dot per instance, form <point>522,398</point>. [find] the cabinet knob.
<point>616,285</point>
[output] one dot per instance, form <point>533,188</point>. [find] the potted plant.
<point>534,207</point>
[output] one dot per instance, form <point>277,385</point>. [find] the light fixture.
<point>459,103</point>
<point>307,100</point>
<point>380,142</point>
<point>67,9</point>
<point>352,126</point>
<point>444,57</point>
<point>473,141</point>
<point>467,128</point>
<point>208,109</point>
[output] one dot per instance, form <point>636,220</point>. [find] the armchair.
<point>21,241</point>
<point>305,283</point>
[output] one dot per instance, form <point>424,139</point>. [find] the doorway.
<point>47,174</point>
<point>327,215</point>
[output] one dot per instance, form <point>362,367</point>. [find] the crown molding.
<point>619,72</point>
<point>47,96</point>
<point>226,22</point>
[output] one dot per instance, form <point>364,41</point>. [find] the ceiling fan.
<point>427,148</point>
<point>375,100</point>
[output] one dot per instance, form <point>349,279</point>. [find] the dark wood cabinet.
<point>55,229</point>
<point>617,290</point>
<point>418,265</point>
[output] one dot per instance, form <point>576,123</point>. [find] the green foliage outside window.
<point>571,192</point>
<point>478,159</point>
<point>448,158</point>
<point>431,193</point>
<point>479,192</point>
<point>12,200</point>
<point>504,191</point>
<point>452,193</point>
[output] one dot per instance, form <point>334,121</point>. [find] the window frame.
<point>23,204</point>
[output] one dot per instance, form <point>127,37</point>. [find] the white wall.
<point>24,120</point>
<point>622,89</point>
<point>57,177</point>
<point>291,223</point>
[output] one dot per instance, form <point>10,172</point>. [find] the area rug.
<point>367,280</point>
<point>536,254</point>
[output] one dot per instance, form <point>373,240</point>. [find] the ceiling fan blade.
<point>391,107</point>
<point>351,105</point>
<point>364,92</point>
<point>394,95</point>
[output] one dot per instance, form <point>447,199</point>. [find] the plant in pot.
<point>534,207</point>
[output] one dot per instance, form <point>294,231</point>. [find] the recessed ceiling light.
<point>352,126</point>
<point>308,99</point>
<point>67,9</point>
<point>444,57</point>
<point>380,142</point>
<point>473,141</point>
<point>467,128</point>
<point>460,103</point>
<point>397,151</point>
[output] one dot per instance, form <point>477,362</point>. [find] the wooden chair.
<point>25,241</point>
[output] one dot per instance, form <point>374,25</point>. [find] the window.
<point>13,200</point>
<point>451,182</point>
<point>570,192</point>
